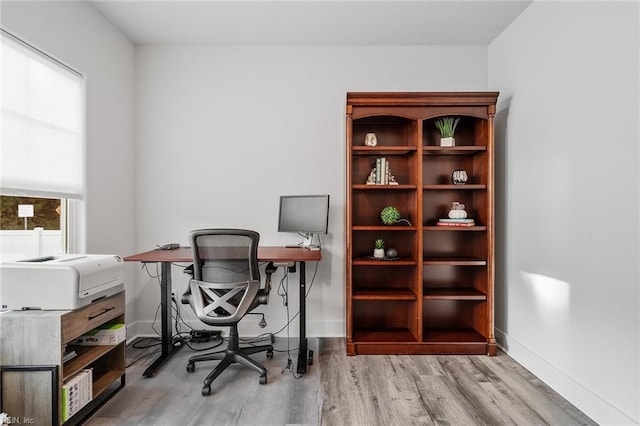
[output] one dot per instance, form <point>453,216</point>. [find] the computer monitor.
<point>307,215</point>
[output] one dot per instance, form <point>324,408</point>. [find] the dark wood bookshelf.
<point>437,298</point>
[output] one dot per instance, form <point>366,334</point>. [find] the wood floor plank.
<point>444,404</point>
<point>543,400</point>
<point>371,390</point>
<point>514,405</point>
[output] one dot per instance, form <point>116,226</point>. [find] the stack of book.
<point>105,334</point>
<point>456,222</point>
<point>381,173</point>
<point>77,391</point>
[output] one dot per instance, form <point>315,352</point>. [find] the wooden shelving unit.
<point>33,346</point>
<point>437,297</point>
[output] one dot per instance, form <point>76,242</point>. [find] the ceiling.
<point>306,22</point>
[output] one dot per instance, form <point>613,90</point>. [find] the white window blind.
<point>42,124</point>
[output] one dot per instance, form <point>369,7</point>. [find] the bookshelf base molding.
<point>436,348</point>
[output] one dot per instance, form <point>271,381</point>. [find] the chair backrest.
<point>226,276</point>
<point>225,255</point>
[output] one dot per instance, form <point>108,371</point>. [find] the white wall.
<point>76,34</point>
<point>224,131</point>
<point>568,207</point>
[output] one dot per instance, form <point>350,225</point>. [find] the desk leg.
<point>302,347</point>
<point>166,333</point>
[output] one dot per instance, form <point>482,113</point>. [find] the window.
<point>32,227</point>
<point>41,150</point>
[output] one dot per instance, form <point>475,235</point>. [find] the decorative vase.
<point>457,211</point>
<point>447,142</point>
<point>370,139</point>
<point>378,253</point>
<point>459,177</point>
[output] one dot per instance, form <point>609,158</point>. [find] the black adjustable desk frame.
<point>302,344</point>
<point>167,257</point>
<point>166,333</point>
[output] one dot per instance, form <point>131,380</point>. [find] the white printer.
<point>64,282</point>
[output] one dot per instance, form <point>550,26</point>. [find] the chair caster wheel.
<point>191,367</point>
<point>270,354</point>
<point>206,390</point>
<point>263,379</point>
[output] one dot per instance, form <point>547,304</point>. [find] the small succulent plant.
<point>379,243</point>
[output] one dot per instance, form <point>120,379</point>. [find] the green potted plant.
<point>378,250</point>
<point>447,127</point>
<point>391,215</point>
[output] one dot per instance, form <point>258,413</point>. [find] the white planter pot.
<point>447,142</point>
<point>378,253</point>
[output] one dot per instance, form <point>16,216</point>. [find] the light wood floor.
<point>341,390</point>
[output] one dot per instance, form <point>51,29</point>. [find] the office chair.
<point>224,288</point>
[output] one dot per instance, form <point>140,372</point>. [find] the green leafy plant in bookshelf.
<point>447,127</point>
<point>390,215</point>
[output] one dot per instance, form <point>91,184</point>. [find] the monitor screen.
<point>304,213</point>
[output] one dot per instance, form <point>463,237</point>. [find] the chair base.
<point>233,354</point>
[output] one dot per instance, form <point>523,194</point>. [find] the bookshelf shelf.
<point>383,150</point>
<point>360,187</point>
<point>384,228</point>
<point>384,294</point>
<point>372,335</point>
<point>384,263</point>
<point>454,294</point>
<point>438,228</point>
<point>451,187</point>
<point>453,150</point>
<point>455,261</point>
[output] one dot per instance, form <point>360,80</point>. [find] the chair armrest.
<point>263,294</point>
<point>186,296</point>
<point>189,270</point>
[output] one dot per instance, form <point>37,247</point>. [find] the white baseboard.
<point>583,398</point>
<point>314,329</point>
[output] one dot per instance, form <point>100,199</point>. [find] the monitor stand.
<point>307,243</point>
